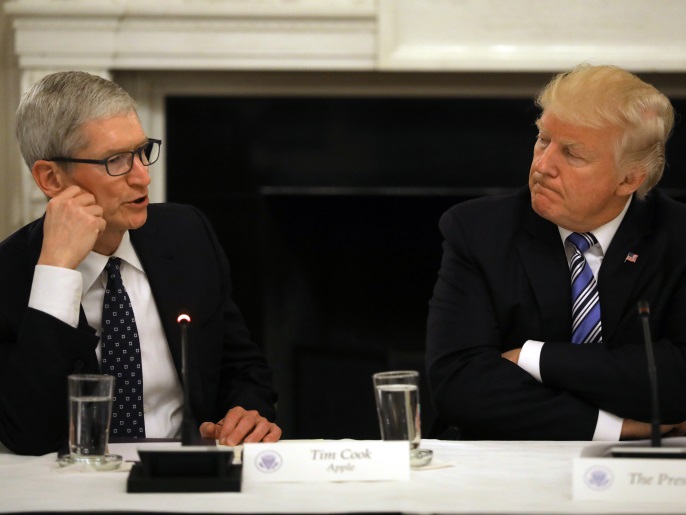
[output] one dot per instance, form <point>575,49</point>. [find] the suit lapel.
<point>35,242</point>
<point>157,257</point>
<point>545,263</point>
<point>618,276</point>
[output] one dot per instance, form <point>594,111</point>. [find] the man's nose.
<point>139,173</point>
<point>546,162</point>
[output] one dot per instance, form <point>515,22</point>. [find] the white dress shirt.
<point>609,426</point>
<point>59,292</point>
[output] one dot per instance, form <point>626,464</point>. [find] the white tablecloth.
<point>486,477</point>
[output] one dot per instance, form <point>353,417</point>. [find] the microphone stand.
<point>655,450</point>
<point>198,466</point>
<point>655,433</point>
<point>188,423</point>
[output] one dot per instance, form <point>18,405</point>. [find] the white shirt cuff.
<point>530,358</point>
<point>608,427</point>
<point>57,292</point>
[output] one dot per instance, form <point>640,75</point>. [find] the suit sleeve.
<point>615,376</point>
<point>473,387</point>
<point>36,355</point>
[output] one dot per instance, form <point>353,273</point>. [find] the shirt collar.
<point>604,233</point>
<point>92,266</point>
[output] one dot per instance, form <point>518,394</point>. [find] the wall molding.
<point>491,44</point>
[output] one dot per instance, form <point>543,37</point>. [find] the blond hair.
<point>608,97</point>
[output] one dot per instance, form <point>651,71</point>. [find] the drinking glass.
<point>90,410</point>
<point>397,405</point>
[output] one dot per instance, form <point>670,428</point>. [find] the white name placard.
<point>601,478</point>
<point>326,460</point>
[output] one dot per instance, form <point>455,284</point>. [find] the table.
<point>486,477</point>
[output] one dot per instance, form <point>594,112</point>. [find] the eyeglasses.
<point>121,163</point>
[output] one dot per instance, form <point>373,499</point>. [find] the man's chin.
<point>543,207</point>
<point>138,221</point>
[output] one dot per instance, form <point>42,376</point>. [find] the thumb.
<point>207,430</point>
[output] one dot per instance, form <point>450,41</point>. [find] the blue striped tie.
<point>586,327</point>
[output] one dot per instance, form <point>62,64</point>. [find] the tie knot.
<point>113,265</point>
<point>582,241</point>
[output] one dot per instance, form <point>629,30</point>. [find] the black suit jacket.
<point>504,279</point>
<point>186,268</point>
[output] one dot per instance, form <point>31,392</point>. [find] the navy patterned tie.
<point>121,356</point>
<point>586,327</point>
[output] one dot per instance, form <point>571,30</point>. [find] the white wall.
<point>438,47</point>
<point>10,189</point>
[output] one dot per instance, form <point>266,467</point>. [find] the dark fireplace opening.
<point>327,208</point>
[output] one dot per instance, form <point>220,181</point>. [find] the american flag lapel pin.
<point>631,257</point>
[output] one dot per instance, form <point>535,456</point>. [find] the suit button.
<point>78,365</point>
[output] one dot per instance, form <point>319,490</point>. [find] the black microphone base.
<point>647,452</point>
<point>191,470</point>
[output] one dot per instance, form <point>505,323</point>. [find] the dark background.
<point>328,209</point>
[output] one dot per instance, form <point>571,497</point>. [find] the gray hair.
<point>52,112</point>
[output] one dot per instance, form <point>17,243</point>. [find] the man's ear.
<point>631,182</point>
<point>49,177</point>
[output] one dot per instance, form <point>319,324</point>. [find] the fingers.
<point>239,426</point>
<point>273,435</point>
<point>210,430</point>
<point>73,223</point>
<point>675,430</point>
<point>664,428</point>
<point>264,431</point>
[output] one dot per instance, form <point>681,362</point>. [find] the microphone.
<point>188,421</point>
<point>655,450</point>
<point>198,466</point>
<point>656,435</point>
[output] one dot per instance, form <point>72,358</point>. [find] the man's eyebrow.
<point>571,143</point>
<point>113,152</point>
<point>540,125</point>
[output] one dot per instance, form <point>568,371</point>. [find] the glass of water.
<point>90,410</point>
<point>397,405</point>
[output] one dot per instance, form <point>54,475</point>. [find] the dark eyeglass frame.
<point>137,152</point>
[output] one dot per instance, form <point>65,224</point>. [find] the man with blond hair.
<point>534,331</point>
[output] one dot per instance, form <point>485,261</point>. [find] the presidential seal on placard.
<point>268,461</point>
<point>599,478</point>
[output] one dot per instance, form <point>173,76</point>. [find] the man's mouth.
<point>140,200</point>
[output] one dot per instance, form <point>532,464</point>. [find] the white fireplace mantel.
<point>198,38</point>
<point>194,35</point>
<point>384,35</point>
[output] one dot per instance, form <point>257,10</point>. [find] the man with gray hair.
<point>533,330</point>
<point>96,284</point>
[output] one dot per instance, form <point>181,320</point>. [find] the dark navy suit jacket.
<point>187,268</point>
<point>504,279</point>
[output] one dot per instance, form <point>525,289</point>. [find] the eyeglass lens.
<point>122,163</point>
